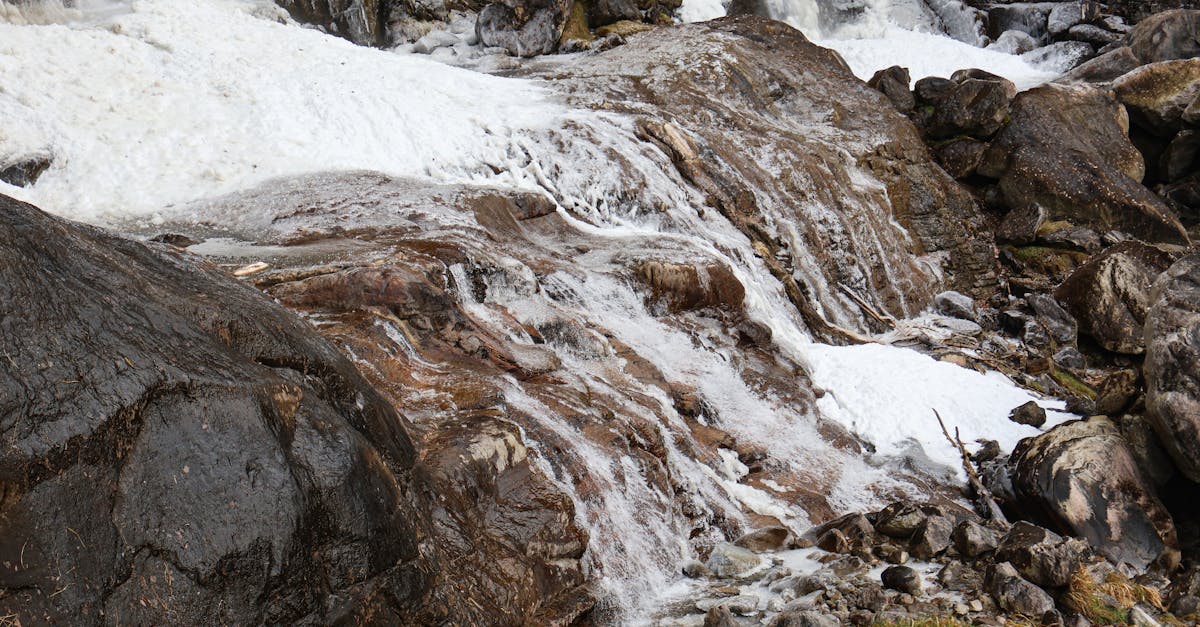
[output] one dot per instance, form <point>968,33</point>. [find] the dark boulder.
<point>1092,34</point>
<point>1172,366</point>
<point>1110,294</point>
<point>1027,17</point>
<point>1040,555</point>
<point>1030,414</point>
<point>361,21</point>
<point>977,107</point>
<point>1083,476</point>
<point>902,578</point>
<point>524,29</point>
<point>1066,154</point>
<point>1167,35</point>
<point>24,172</point>
<point>209,449</point>
<point>972,539</point>
<point>960,156</point>
<point>1103,68</point>
<point>894,82</point>
<point>1060,323</point>
<point>1013,593</point>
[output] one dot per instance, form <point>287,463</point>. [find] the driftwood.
<point>985,503</point>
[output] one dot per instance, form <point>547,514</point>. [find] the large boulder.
<point>177,449</point>
<point>1083,476</point>
<point>524,29</point>
<point>1040,555</point>
<point>361,21</point>
<point>1172,366</point>
<point>1065,155</point>
<point>976,106</point>
<point>1157,94</point>
<point>1103,68</point>
<point>1167,35</point>
<point>1110,294</point>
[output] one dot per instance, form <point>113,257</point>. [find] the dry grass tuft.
<point>1108,603</point>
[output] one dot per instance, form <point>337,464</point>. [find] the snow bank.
<point>174,101</point>
<point>887,395</point>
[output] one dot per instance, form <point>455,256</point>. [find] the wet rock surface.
<point>1173,348</point>
<point>211,450</point>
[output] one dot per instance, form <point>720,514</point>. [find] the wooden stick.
<point>985,504</point>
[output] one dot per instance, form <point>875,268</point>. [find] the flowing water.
<point>150,117</point>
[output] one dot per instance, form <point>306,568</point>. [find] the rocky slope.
<point>465,404</point>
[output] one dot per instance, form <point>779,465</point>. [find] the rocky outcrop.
<point>361,21</point>
<point>1082,476</point>
<point>784,84</point>
<point>1157,94</point>
<point>170,435</point>
<point>1173,363</point>
<point>1110,294</point>
<point>24,172</point>
<point>1065,156</point>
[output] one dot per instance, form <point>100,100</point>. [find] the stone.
<point>975,107</point>
<point>1103,68</point>
<point>972,539</point>
<point>1069,357</point>
<point>932,537</point>
<point>1066,15</point>
<point>1166,36</point>
<point>1040,555</point>
<point>24,172</point>
<point>1014,42</point>
<point>956,305</point>
<point>1030,414</point>
<point>1110,294</point>
<point>1015,594</point>
<point>772,538</point>
<point>960,577</point>
<point>728,561</point>
<point>1058,321</point>
<point>720,616</point>
<point>845,533</point>
<point>1143,443</point>
<point>1172,365</point>
<point>1116,391</point>
<point>960,156</point>
<point>933,89</point>
<point>1186,606</point>
<point>204,436</point>
<point>893,82</point>
<point>1065,155</point>
<point>1092,34</point>
<point>902,578</point>
<point>1157,94</point>
<point>605,12</point>
<point>1180,157</point>
<point>1082,474</point>
<point>524,29</point>
<point>1062,56</point>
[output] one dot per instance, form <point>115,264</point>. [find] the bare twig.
<point>985,503</point>
<point>883,319</point>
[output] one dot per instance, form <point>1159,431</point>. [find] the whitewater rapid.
<point>148,108</point>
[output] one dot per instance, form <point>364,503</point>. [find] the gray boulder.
<point>1157,94</point>
<point>728,560</point>
<point>1172,366</point>
<point>1015,594</point>
<point>1040,555</point>
<point>1083,475</point>
<point>1110,294</point>
<point>1167,35</point>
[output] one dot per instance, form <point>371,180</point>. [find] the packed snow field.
<point>145,109</point>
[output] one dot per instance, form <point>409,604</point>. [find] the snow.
<point>887,395</point>
<point>928,54</point>
<point>174,101</point>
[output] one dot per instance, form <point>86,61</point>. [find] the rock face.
<point>1110,294</point>
<point>1065,156</point>
<point>1173,363</point>
<point>1083,476</point>
<point>715,135</point>
<point>205,445</point>
<point>361,21</point>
